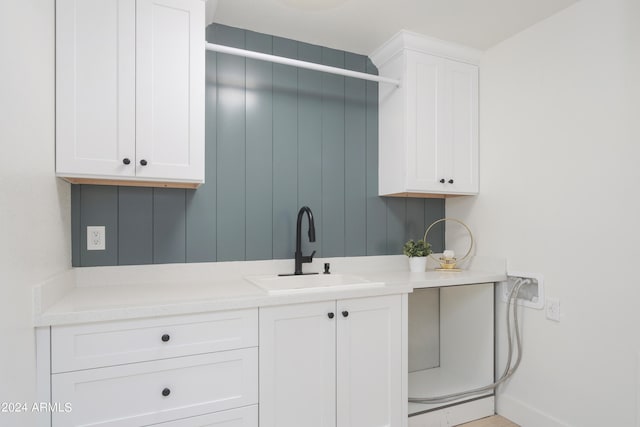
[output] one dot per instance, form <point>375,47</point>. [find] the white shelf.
<point>442,381</point>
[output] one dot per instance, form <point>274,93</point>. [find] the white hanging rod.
<point>300,64</point>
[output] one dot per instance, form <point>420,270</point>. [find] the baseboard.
<point>525,415</point>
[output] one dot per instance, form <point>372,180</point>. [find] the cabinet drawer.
<point>115,343</point>
<point>154,392</point>
<point>242,417</point>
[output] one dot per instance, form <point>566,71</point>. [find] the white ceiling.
<point>361,26</point>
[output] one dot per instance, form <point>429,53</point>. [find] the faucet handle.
<point>307,259</point>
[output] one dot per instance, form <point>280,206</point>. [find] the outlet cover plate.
<point>553,309</point>
<point>95,238</point>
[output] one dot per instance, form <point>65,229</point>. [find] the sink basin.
<point>310,283</point>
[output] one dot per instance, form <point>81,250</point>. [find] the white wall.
<point>560,177</point>
<point>34,205</point>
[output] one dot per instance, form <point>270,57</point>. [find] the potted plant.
<point>417,252</point>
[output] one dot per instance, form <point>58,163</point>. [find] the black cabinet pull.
<point>330,315</point>
<point>143,162</point>
<point>450,181</point>
<point>345,313</point>
<point>442,181</point>
<point>126,161</point>
<point>166,392</point>
<point>166,337</point>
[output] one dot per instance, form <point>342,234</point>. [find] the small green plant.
<point>415,249</point>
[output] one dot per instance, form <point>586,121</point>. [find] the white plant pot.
<point>417,264</point>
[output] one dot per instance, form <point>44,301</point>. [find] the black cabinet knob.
<point>166,392</point>
<point>450,181</point>
<point>442,181</point>
<point>330,315</point>
<point>345,313</point>
<point>166,337</point>
<point>126,161</point>
<point>143,162</point>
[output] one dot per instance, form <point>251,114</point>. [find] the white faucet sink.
<point>278,285</point>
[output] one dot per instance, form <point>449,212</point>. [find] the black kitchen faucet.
<point>300,259</point>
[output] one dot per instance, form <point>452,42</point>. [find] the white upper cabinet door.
<point>298,365</point>
<point>425,159</point>
<point>95,87</point>
<point>461,141</point>
<point>369,362</point>
<point>170,89</point>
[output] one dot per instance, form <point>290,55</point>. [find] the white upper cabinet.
<point>130,92</point>
<point>428,140</point>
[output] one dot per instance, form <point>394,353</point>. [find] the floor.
<point>495,421</point>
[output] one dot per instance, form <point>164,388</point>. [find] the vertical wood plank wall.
<point>277,138</point>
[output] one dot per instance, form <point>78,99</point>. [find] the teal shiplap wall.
<point>277,138</point>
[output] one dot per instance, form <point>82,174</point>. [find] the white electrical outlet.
<point>553,309</point>
<point>95,238</point>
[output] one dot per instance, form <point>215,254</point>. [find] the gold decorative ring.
<point>459,222</point>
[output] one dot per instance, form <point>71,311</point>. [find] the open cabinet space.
<point>458,322</point>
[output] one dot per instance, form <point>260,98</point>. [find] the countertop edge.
<point>47,319</point>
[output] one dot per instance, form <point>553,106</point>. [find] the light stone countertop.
<point>93,294</point>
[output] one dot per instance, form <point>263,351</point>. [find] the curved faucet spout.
<point>312,226</point>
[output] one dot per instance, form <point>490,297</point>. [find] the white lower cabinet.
<point>95,345</point>
<point>193,370</point>
<point>332,364</point>
<point>242,417</point>
<point>151,392</point>
<point>318,364</point>
<point>298,365</point>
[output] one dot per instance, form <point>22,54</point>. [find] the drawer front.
<point>115,343</point>
<point>159,391</point>
<point>242,417</point>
